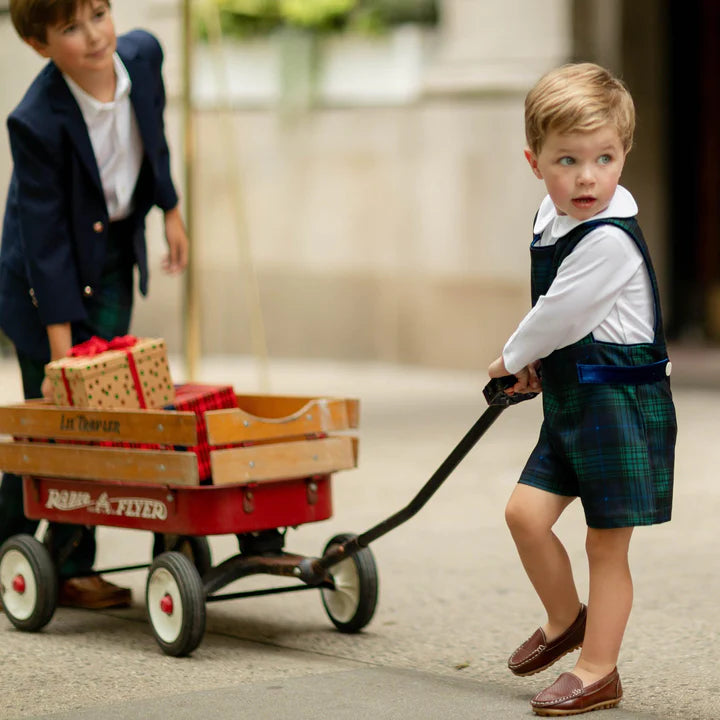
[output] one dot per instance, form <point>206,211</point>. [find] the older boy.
<point>90,160</point>
<point>594,342</point>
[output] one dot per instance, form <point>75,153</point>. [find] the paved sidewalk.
<point>454,600</point>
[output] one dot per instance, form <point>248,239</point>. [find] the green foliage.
<point>260,17</point>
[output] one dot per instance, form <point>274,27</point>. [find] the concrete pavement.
<point>454,600</point>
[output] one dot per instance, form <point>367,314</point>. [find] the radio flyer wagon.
<point>272,461</point>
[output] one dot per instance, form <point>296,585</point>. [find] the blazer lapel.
<point>63,101</point>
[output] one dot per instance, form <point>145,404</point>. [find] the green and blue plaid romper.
<point>609,427</point>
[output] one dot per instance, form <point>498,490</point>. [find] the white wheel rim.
<point>342,603</point>
<point>20,605</point>
<point>167,626</point>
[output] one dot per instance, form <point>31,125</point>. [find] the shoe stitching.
<point>539,649</point>
<point>577,692</point>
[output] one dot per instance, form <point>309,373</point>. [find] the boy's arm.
<point>60,339</point>
<point>583,293</point>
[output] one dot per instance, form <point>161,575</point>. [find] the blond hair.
<point>32,18</point>
<point>578,97</point>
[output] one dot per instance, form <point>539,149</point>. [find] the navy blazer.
<point>56,219</point>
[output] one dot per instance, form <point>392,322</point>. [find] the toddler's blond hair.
<point>578,97</point>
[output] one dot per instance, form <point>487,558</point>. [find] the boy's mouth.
<point>583,202</point>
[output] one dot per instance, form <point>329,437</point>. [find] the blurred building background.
<point>364,196</point>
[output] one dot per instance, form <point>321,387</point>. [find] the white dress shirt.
<point>602,287</point>
<point>115,140</point>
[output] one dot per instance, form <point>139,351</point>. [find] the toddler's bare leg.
<point>530,515</point>
<point>609,604</point>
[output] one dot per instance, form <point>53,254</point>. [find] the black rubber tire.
<point>362,571</point>
<point>195,547</point>
<point>175,571</point>
<point>45,579</point>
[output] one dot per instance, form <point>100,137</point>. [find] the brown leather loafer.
<point>537,654</point>
<point>567,696</point>
<point>92,593</point>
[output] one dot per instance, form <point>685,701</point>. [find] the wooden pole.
<point>191,310</point>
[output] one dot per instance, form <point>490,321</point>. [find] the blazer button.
<point>87,291</point>
<point>32,297</point>
<point>98,226</point>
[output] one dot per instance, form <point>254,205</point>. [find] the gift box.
<point>197,398</point>
<point>125,372</point>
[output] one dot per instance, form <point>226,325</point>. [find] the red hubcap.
<point>19,584</point>
<point>166,604</point>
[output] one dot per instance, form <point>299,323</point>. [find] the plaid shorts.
<point>611,445</point>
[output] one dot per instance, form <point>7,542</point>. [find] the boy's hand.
<point>177,257</point>
<point>528,379</point>
<point>46,389</point>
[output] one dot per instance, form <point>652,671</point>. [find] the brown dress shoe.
<point>567,696</point>
<point>92,593</point>
<point>537,654</point>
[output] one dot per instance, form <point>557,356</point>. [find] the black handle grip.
<point>495,394</point>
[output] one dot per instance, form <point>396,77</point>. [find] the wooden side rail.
<point>271,417</point>
<point>86,462</point>
<point>42,420</point>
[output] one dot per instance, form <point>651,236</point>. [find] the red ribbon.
<point>96,345</point>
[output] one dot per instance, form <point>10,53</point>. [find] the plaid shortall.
<point>609,427</point>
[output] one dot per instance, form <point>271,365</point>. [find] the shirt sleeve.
<point>583,293</point>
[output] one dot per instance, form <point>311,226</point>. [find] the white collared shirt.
<point>115,140</point>
<point>602,287</point>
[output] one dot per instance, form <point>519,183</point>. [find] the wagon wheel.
<point>28,583</point>
<point>351,604</point>
<point>195,548</point>
<point>175,601</point>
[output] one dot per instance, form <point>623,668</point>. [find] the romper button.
<point>668,368</point>
<point>32,297</point>
<point>98,226</point>
<point>87,291</point>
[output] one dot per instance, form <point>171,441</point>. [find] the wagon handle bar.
<point>314,570</point>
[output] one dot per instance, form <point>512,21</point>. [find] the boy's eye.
<point>604,159</point>
<point>566,161</point>
<point>68,29</point>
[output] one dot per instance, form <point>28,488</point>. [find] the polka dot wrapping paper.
<point>133,377</point>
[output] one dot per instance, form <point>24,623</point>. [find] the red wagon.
<point>272,460</point>
<point>275,474</point>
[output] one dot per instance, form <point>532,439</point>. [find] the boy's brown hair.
<point>578,97</point>
<point>32,18</point>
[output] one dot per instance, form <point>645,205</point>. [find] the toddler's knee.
<point>520,519</point>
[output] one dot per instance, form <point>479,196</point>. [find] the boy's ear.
<point>532,161</point>
<point>39,47</point>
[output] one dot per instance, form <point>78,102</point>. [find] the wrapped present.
<point>125,372</point>
<point>198,398</point>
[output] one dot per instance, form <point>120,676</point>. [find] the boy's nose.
<point>586,175</point>
<point>91,33</point>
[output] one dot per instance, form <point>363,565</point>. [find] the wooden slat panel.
<point>164,427</point>
<point>95,463</point>
<point>282,406</point>
<point>283,460</point>
<point>320,415</point>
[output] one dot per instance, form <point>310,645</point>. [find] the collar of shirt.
<point>622,205</point>
<point>91,107</point>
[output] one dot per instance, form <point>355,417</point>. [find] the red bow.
<point>96,345</point>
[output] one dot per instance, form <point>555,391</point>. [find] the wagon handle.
<point>314,570</point>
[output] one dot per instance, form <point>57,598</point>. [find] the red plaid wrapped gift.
<point>198,398</point>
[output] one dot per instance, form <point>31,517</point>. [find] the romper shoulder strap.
<point>629,225</point>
